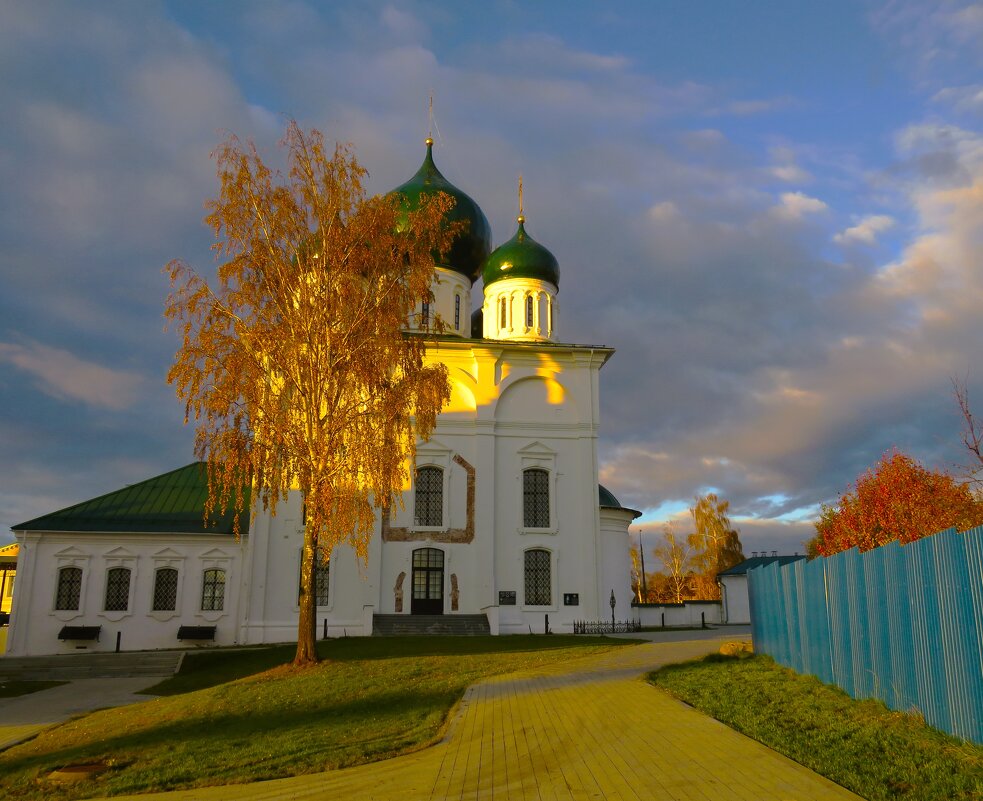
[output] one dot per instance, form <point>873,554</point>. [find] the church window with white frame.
<point>322,576</point>
<point>213,590</point>
<point>539,589</point>
<point>535,498</point>
<point>428,506</point>
<point>69,591</point>
<point>117,589</point>
<point>165,590</point>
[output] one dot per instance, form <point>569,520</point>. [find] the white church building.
<point>504,525</point>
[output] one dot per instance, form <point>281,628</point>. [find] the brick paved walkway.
<point>591,730</point>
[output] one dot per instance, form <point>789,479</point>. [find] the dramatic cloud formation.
<point>787,260</point>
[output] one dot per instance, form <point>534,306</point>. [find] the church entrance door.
<point>428,582</point>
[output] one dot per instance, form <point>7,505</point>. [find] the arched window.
<point>213,591</point>
<point>501,306</point>
<point>457,312</point>
<point>428,509</point>
<point>69,588</point>
<point>117,589</point>
<point>535,498</point>
<point>165,590</point>
<point>549,314</point>
<point>528,311</point>
<point>539,591</point>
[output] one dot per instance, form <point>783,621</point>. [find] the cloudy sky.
<point>774,211</point>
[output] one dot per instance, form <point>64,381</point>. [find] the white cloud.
<point>796,205</point>
<point>962,98</point>
<point>63,375</point>
<point>866,230</point>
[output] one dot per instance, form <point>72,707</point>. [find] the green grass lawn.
<point>220,721</point>
<point>9,689</point>
<point>861,745</point>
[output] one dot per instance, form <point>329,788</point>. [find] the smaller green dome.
<point>521,257</point>
<point>606,498</point>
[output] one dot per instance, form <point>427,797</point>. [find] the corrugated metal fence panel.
<point>839,620</point>
<point>816,620</point>
<point>962,651</point>
<point>899,623</point>
<point>926,641</point>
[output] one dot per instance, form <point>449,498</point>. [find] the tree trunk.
<point>307,623</point>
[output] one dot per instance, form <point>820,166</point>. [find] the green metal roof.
<point>606,500</point>
<point>172,502</point>
<point>521,257</point>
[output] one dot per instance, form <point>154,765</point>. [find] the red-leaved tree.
<point>897,499</point>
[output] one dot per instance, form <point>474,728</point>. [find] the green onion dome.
<point>521,257</point>
<point>472,245</point>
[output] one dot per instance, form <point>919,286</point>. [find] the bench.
<point>196,633</point>
<point>79,633</point>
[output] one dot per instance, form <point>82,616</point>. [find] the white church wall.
<point>36,622</point>
<point>615,562</point>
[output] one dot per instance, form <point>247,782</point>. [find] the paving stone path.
<point>591,729</point>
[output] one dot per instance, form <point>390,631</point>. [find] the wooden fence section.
<point>899,623</point>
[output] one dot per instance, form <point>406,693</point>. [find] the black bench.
<point>196,633</point>
<point>79,633</point>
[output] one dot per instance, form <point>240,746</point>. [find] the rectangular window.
<point>528,311</point>
<point>165,590</point>
<point>428,507</point>
<point>536,498</point>
<point>425,316</point>
<point>69,588</point>
<point>457,312</point>
<point>537,574</point>
<point>117,589</point>
<point>213,591</point>
<point>322,571</point>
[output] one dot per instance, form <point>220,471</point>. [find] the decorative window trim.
<point>433,455</point>
<point>164,614</point>
<point>537,456</point>
<point>552,605</point>
<point>119,558</point>
<point>214,560</point>
<point>167,558</point>
<point>71,558</point>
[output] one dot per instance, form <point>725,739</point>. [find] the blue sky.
<point>772,211</point>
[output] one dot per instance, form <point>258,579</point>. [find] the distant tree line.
<point>685,567</point>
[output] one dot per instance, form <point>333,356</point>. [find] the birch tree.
<point>295,365</point>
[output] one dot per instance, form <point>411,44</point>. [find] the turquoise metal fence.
<point>899,623</point>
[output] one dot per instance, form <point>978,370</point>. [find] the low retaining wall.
<point>685,614</point>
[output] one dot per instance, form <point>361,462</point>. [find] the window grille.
<point>429,503</point>
<point>165,590</point>
<point>528,311</point>
<point>428,574</point>
<point>213,591</point>
<point>536,498</point>
<point>457,311</point>
<point>117,589</point>
<point>501,305</point>
<point>69,588</point>
<point>322,569</point>
<point>538,590</point>
<point>425,316</point>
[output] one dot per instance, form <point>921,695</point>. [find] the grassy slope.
<point>862,745</point>
<point>373,699</point>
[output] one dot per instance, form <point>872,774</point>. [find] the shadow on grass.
<point>209,668</point>
<point>235,746</point>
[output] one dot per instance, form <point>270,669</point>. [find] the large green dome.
<point>472,245</point>
<point>521,257</point>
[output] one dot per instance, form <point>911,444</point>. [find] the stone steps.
<point>424,625</point>
<point>66,667</point>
